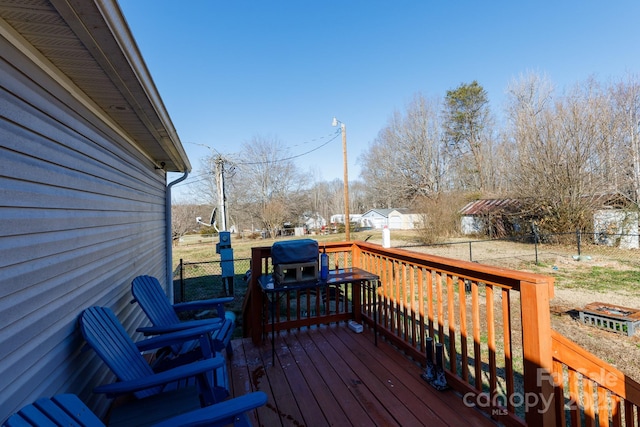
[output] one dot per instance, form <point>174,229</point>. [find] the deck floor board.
<point>330,376</point>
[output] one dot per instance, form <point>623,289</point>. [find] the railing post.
<point>255,295</point>
<point>537,350</point>
<point>356,254</point>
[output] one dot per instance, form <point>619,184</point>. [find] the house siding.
<point>82,212</point>
<point>391,218</point>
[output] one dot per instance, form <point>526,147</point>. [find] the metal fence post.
<point>578,239</point>
<point>181,281</point>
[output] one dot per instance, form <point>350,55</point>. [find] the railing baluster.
<point>506,342</point>
<point>616,416</point>
<point>398,299</point>
<point>463,329</point>
<point>574,394</point>
<point>430,303</point>
<point>451,321</point>
<point>406,304</point>
<point>440,309</point>
<point>477,350</point>
<point>420,303</point>
<point>589,403</point>
<point>413,320</point>
<point>603,407</point>
<point>560,390</point>
<point>491,341</point>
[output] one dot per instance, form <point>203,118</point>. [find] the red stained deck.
<point>330,376</point>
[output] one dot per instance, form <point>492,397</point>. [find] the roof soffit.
<point>91,44</point>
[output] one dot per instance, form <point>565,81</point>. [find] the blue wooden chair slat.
<point>61,410</point>
<point>72,405</point>
<point>69,411</point>
<point>233,411</point>
<point>30,416</point>
<point>148,293</point>
<point>56,412</point>
<point>106,335</point>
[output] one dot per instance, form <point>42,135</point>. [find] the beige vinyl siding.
<point>82,212</point>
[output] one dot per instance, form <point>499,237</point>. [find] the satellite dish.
<point>212,222</point>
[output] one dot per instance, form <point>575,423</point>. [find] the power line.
<point>206,175</point>
<point>335,135</point>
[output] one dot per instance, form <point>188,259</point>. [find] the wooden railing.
<point>494,324</point>
<point>589,390</point>
<point>295,308</point>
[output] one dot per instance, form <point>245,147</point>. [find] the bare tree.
<point>183,218</point>
<point>273,214</point>
<point>267,182</point>
<point>626,101</point>
<point>559,150</point>
<point>406,159</point>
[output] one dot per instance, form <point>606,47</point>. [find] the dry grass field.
<point>611,276</point>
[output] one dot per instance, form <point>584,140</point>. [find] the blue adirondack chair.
<point>148,293</point>
<point>105,334</point>
<point>69,410</point>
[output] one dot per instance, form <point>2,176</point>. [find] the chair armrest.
<point>162,378</point>
<point>157,330</point>
<point>225,411</point>
<point>177,337</point>
<point>202,304</point>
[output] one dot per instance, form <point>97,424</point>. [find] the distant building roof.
<point>483,206</point>
<point>596,201</point>
<point>386,212</point>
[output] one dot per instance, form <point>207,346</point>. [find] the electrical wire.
<point>335,135</point>
<point>204,176</point>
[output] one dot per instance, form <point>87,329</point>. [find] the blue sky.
<point>231,70</point>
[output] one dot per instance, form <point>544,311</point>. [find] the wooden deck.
<point>330,376</point>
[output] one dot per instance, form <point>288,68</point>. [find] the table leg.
<point>273,333</point>
<point>357,300</point>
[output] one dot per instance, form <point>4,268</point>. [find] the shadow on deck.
<point>329,375</point>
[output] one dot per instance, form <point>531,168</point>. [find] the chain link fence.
<point>541,249</point>
<point>203,280</point>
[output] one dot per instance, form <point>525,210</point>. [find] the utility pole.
<point>222,198</point>
<point>347,217</point>
<point>223,247</point>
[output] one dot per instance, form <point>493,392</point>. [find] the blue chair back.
<point>149,294</point>
<point>105,334</point>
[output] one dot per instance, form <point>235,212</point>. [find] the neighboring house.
<point>394,219</point>
<point>85,147</point>
<point>313,221</point>
<point>477,215</point>
<point>615,219</point>
<point>339,218</point>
